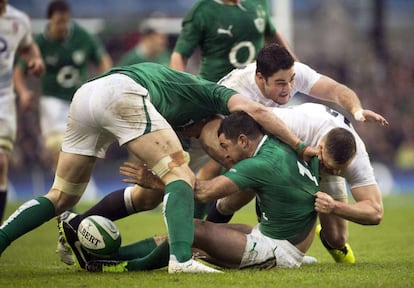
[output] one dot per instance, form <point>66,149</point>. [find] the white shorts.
<point>53,115</point>
<point>111,108</point>
<point>8,120</point>
<point>264,252</point>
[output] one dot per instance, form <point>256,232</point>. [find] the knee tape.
<point>66,187</point>
<point>169,162</point>
<point>6,145</point>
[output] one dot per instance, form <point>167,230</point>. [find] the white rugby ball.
<point>99,235</point>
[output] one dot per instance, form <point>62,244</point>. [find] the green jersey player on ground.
<point>137,106</point>
<point>67,50</point>
<point>285,185</point>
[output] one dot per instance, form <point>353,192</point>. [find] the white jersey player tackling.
<point>15,37</point>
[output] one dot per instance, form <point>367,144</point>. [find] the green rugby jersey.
<point>181,98</point>
<point>285,187</point>
<point>67,61</point>
<point>229,36</point>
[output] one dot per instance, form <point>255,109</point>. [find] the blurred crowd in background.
<point>338,38</point>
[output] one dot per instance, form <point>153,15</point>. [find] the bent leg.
<point>162,149</point>
<point>225,243</point>
<point>74,170</point>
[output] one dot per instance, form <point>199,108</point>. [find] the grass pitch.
<point>384,253</point>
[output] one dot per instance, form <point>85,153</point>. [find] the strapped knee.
<point>69,188</point>
<point>171,161</point>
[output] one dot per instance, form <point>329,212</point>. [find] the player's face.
<point>233,151</point>
<point>328,164</point>
<point>59,25</point>
<point>157,43</point>
<point>278,87</point>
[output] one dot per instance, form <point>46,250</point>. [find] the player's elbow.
<point>376,217</point>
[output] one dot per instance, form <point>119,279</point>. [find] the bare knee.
<point>61,201</point>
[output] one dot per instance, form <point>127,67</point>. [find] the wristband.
<point>301,148</point>
<point>359,115</point>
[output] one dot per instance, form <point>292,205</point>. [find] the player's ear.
<point>320,148</point>
<point>243,140</point>
<point>260,77</point>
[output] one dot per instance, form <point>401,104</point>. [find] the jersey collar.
<point>260,145</point>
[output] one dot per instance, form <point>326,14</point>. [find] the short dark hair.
<point>340,145</point>
<point>57,6</point>
<point>273,58</point>
<point>239,123</point>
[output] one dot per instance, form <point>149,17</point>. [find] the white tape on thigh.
<point>69,188</point>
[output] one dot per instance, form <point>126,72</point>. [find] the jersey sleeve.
<point>247,173</point>
<point>305,78</point>
<point>191,33</point>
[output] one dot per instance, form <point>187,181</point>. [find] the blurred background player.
<point>229,33</point>
<point>152,46</point>
<point>67,50</point>
<point>15,37</point>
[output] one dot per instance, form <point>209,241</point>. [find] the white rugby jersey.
<point>243,81</point>
<point>15,32</point>
<point>308,121</point>
<point>311,121</point>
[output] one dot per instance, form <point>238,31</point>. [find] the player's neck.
<point>231,2</point>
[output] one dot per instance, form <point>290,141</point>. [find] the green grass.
<point>385,258</point>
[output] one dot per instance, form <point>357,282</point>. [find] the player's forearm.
<point>283,42</point>
<point>364,212</point>
<point>178,62</point>
<point>275,126</point>
<point>19,80</point>
<point>216,188</point>
<point>30,52</point>
<point>105,63</point>
<point>347,98</point>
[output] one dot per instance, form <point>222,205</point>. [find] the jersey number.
<point>336,114</point>
<point>304,171</point>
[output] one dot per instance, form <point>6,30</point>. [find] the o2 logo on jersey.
<point>233,55</point>
<point>3,45</point>
<point>68,77</point>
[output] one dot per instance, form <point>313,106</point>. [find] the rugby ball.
<point>99,235</point>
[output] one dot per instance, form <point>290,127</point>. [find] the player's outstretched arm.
<point>328,89</point>
<point>367,209</point>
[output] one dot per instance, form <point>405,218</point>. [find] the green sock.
<point>200,210</point>
<point>27,217</point>
<point>157,259</point>
<point>178,216</point>
<point>136,250</point>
